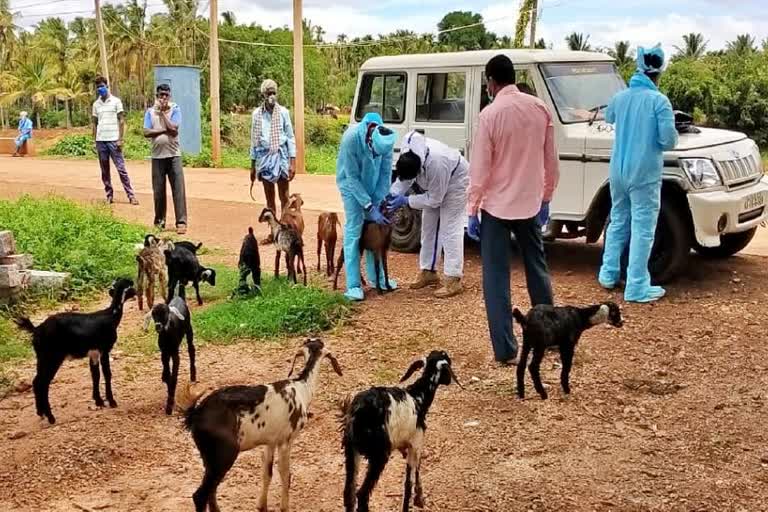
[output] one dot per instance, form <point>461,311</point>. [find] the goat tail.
<point>519,316</point>
<point>25,324</point>
<point>186,401</point>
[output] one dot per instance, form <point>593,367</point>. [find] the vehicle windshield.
<point>577,89</point>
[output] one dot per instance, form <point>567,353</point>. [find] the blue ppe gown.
<point>645,128</point>
<point>363,175</point>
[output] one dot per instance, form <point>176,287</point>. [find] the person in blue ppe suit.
<point>645,128</point>
<point>363,175</point>
<point>25,132</point>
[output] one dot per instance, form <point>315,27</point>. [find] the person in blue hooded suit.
<point>363,175</point>
<point>645,128</point>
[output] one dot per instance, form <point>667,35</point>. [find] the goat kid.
<point>239,418</point>
<point>292,215</point>
<point>548,327</point>
<point>173,322</point>
<point>249,263</point>
<point>375,238</point>
<point>151,269</point>
<point>327,235</point>
<point>184,267</point>
<point>288,240</point>
<point>382,419</point>
<point>74,336</point>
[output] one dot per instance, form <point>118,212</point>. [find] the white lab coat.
<point>444,178</point>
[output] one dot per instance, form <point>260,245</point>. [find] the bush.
<point>88,242</point>
<point>73,146</point>
<point>321,159</point>
<point>324,130</point>
<point>53,119</point>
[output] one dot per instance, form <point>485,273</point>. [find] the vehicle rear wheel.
<point>730,244</point>
<point>406,230</point>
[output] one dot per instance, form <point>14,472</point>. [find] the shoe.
<point>181,229</point>
<point>607,285</point>
<point>451,288</point>
<point>109,200</point>
<point>355,294</point>
<point>426,278</point>
<point>133,201</point>
<point>653,294</point>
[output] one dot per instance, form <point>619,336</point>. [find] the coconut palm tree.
<point>229,18</point>
<point>70,89</point>
<point>743,44</point>
<point>34,78</point>
<point>578,42</point>
<point>623,54</point>
<point>694,46</point>
<point>8,44</point>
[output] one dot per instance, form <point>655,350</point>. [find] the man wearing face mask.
<point>108,132</point>
<point>273,148</point>
<point>363,175</point>
<point>512,177</point>
<point>25,132</point>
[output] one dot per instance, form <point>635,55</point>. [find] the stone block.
<point>43,280</point>
<point>22,261</point>
<point>7,243</point>
<point>10,276</point>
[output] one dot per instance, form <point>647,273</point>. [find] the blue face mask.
<point>102,90</point>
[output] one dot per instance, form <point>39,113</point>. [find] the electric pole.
<point>215,107</point>
<point>102,43</point>
<point>298,83</point>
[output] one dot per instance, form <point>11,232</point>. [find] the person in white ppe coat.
<point>442,174</point>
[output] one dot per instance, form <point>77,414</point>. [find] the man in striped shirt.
<point>108,131</point>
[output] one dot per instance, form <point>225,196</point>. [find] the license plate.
<point>754,201</point>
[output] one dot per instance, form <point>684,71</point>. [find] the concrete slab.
<point>22,261</point>
<point>44,280</point>
<point>7,243</point>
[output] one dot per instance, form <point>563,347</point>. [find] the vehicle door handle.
<point>420,130</point>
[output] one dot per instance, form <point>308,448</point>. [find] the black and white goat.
<point>377,421</point>
<point>550,326</point>
<point>74,336</point>
<point>238,418</point>
<point>249,263</point>
<point>172,323</point>
<point>183,268</point>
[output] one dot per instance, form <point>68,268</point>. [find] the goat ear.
<point>175,312</point>
<point>299,354</point>
<point>415,366</point>
<point>334,363</point>
<point>453,376</point>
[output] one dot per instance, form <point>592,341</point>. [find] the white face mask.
<point>272,100</point>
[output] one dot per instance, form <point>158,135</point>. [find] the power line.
<point>26,6</point>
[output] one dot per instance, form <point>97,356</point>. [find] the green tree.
<point>34,79</point>
<point>694,47</point>
<point>229,18</point>
<point>578,42</point>
<point>475,37</point>
<point>744,44</point>
<point>541,44</point>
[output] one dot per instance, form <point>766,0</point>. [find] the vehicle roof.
<point>480,58</point>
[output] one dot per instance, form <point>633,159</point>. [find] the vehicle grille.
<point>740,171</point>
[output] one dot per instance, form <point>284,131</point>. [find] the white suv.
<point>714,192</point>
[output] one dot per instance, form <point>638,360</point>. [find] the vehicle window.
<point>440,97</point>
<point>578,89</point>
<point>523,81</point>
<point>383,93</point>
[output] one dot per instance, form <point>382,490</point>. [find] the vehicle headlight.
<point>701,172</point>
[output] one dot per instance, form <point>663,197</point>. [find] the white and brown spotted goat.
<point>239,418</point>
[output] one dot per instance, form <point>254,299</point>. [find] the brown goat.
<point>287,240</point>
<point>375,238</point>
<point>151,270</point>
<point>326,234</point>
<point>292,215</point>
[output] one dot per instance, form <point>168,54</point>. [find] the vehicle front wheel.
<point>730,244</point>
<point>406,230</point>
<point>672,245</point>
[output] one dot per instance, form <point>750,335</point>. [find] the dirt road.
<point>667,413</point>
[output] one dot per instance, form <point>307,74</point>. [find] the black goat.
<point>172,323</point>
<point>234,419</point>
<point>377,421</point>
<point>249,263</point>
<point>549,326</point>
<point>184,267</point>
<point>75,336</point>
<point>190,246</point>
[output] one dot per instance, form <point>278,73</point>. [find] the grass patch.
<point>89,242</point>
<point>282,309</point>
<point>12,344</point>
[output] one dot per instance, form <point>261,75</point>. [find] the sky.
<point>645,22</point>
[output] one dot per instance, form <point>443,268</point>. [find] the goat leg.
<point>339,266</point>
<point>351,464</point>
<point>383,257</point>
<point>94,365</point>
<point>107,369</point>
<point>409,470</point>
<point>521,364</point>
<point>330,250</point>
<point>319,251</point>
<point>165,359</point>
<point>534,368</point>
<point>196,286</point>
<point>150,294</point>
<point>376,466</point>
<point>304,266</point>
<point>267,466</point>
<point>191,351</point>
<point>277,264</point>
<point>377,267</point>
<point>172,383</point>
<point>566,356</point>
<point>284,465</point>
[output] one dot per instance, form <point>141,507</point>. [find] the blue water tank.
<point>185,91</point>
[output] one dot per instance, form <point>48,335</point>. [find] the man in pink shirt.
<point>513,174</point>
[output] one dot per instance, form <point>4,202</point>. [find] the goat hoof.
<point>99,402</point>
<point>112,404</point>
<point>168,410</point>
<point>418,502</point>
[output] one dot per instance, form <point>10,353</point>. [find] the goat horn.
<point>299,354</point>
<point>455,379</point>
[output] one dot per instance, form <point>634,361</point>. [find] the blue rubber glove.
<point>543,216</point>
<point>377,217</point>
<point>394,203</point>
<point>473,228</point>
